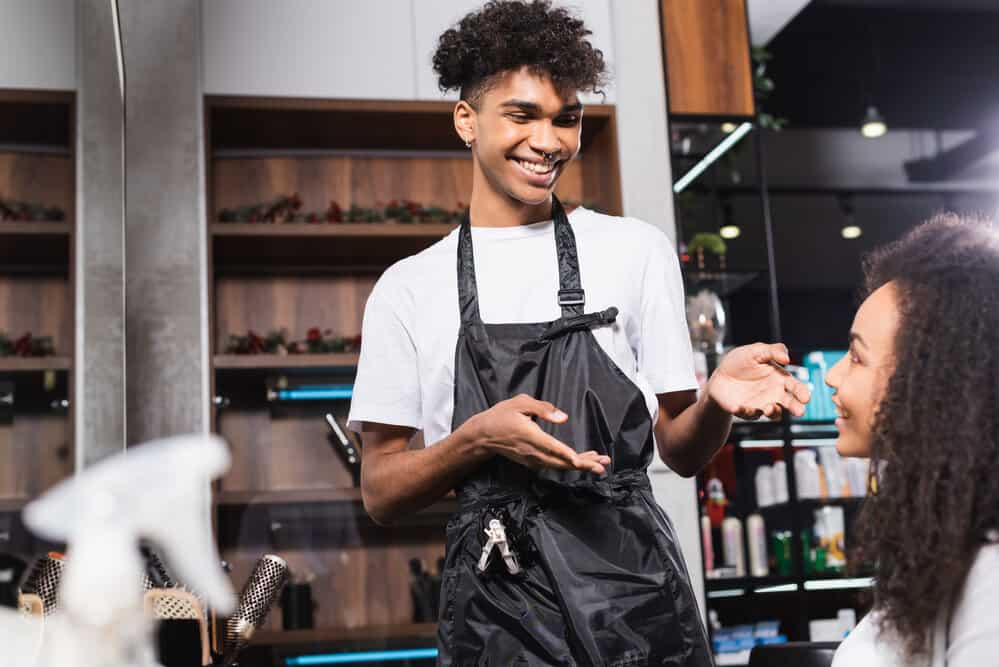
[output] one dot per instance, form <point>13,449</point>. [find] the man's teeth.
<point>536,168</point>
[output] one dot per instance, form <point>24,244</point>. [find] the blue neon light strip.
<point>364,656</point>
<point>316,393</point>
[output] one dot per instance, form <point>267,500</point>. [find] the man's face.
<point>520,119</point>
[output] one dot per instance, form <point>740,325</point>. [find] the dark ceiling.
<point>924,64</point>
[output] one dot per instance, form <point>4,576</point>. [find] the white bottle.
<point>847,620</point>
<point>732,545</point>
<point>833,466</point>
<point>780,482</point>
<point>764,486</point>
<point>857,472</point>
<point>757,537</point>
<point>806,473</point>
<point>707,545</point>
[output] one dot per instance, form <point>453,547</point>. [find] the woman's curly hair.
<point>936,431</point>
<point>506,35</point>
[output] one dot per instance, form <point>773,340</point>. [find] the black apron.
<point>593,574</point>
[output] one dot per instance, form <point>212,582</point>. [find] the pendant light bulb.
<point>873,125</point>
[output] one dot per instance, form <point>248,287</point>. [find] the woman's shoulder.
<point>870,644</point>
<point>974,625</point>
<point>973,634</point>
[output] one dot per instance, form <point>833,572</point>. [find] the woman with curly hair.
<point>542,403</point>
<point>918,392</point>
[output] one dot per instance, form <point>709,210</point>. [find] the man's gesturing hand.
<point>508,430</point>
<point>747,385</point>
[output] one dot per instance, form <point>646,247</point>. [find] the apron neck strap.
<point>571,297</point>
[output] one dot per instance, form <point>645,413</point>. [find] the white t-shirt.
<point>405,375</point>
<point>973,629</point>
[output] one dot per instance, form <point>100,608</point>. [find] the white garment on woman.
<point>973,628</point>
<point>405,375</point>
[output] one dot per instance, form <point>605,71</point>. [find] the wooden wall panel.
<point>706,44</point>
<point>355,585</point>
<point>35,453</point>
<point>280,452</point>
<point>368,181</point>
<point>39,179</point>
<point>298,303</point>
<point>41,305</point>
<point>347,180</point>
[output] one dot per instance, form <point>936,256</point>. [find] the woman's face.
<point>861,377</point>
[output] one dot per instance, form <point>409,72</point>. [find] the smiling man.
<point>545,357</point>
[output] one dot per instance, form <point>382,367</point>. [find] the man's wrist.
<point>473,439</point>
<point>710,405</point>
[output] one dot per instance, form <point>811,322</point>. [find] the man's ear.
<point>465,121</point>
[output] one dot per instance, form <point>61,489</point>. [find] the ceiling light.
<point>728,128</point>
<point>873,125</point>
<point>730,232</point>
<point>851,232</point>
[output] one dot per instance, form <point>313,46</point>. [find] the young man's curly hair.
<point>937,427</point>
<point>506,35</point>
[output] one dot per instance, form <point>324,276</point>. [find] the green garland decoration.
<point>19,211</point>
<point>316,341</point>
<point>26,346</point>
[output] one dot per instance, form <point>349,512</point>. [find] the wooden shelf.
<point>34,364</point>
<point>291,496</point>
<point>15,504</point>
<point>34,246</point>
<point>349,498</point>
<point>235,362</point>
<point>294,123</point>
<point>323,248</point>
<point>35,228</point>
<point>36,117</point>
<point>338,635</point>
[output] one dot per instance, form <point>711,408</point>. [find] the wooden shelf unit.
<point>236,362</point>
<point>37,166</point>
<point>267,276</point>
<point>341,635</point>
<point>13,505</point>
<point>304,247</point>
<point>35,247</point>
<point>34,364</point>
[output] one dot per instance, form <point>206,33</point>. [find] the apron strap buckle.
<point>496,533</point>
<point>571,297</point>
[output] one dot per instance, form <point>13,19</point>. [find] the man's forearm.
<point>689,440</point>
<point>407,481</point>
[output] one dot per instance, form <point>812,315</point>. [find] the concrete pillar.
<point>98,259</point>
<point>166,271</point>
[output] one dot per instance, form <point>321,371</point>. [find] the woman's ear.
<point>464,122</point>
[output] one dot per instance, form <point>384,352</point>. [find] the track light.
<point>850,228</point>
<point>729,230</point>
<point>873,125</point>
